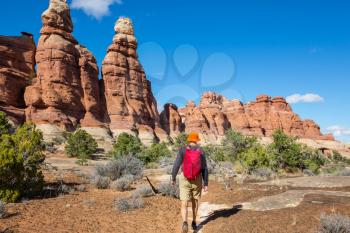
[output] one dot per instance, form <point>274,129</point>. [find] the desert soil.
<point>240,208</point>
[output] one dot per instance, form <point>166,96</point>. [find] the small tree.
<point>153,153</point>
<point>125,145</point>
<point>289,155</point>
<point>82,145</point>
<point>5,126</point>
<point>235,143</point>
<point>217,153</point>
<point>21,155</point>
<point>255,157</point>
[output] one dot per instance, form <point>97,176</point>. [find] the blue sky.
<point>238,48</point>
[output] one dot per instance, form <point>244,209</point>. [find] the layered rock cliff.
<point>17,62</point>
<point>66,90</point>
<point>261,118</point>
<point>130,103</point>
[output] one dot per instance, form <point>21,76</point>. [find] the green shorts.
<point>190,189</point>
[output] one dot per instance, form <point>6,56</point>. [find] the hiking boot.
<point>194,225</point>
<point>185,227</point>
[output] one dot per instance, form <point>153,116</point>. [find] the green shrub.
<point>180,141</point>
<point>21,155</point>
<point>82,145</point>
<point>255,157</point>
<point>312,159</point>
<point>125,145</point>
<point>154,153</point>
<point>235,143</point>
<point>5,126</point>
<point>289,155</point>
<point>339,158</point>
<point>217,153</point>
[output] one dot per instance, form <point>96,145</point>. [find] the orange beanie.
<point>193,137</point>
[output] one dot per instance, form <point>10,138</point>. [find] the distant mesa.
<point>64,91</point>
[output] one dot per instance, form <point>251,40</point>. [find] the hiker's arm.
<point>205,173</point>
<point>177,164</point>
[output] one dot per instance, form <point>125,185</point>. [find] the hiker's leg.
<point>184,210</point>
<point>194,208</point>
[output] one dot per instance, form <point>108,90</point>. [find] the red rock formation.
<point>170,120</point>
<point>260,118</point>
<point>130,103</point>
<point>17,61</point>
<point>65,92</point>
<point>208,118</point>
<point>211,107</point>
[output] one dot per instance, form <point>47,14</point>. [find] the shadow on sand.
<point>225,213</point>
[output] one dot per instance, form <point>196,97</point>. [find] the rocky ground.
<point>284,205</point>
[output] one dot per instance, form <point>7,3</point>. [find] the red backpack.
<point>191,164</point>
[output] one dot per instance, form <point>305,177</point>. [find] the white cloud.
<point>339,131</point>
<point>307,98</point>
<point>95,8</point>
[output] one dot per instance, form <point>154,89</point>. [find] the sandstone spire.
<point>130,103</point>
<point>65,92</point>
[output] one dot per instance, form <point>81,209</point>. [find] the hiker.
<point>194,174</point>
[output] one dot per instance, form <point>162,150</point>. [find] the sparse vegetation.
<point>129,203</point>
<point>343,172</point>
<point>101,182</point>
<point>334,223</point>
<point>167,189</point>
<point>127,145</point>
<point>21,155</point>
<point>123,184</point>
<point>128,167</point>
<point>144,191</point>
<point>337,157</point>
<point>80,144</point>
<point>248,155</point>
<point>262,174</point>
<point>2,210</point>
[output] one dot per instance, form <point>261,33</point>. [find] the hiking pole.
<point>152,187</point>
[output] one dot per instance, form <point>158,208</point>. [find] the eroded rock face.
<point>260,118</point>
<point>66,91</point>
<point>170,120</point>
<point>131,106</point>
<point>17,61</point>
<point>207,119</point>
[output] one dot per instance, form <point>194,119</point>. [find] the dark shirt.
<point>179,160</point>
